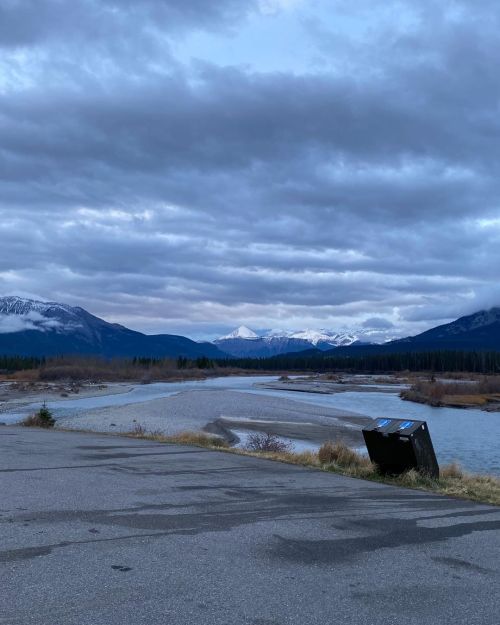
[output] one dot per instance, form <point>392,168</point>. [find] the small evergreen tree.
<point>46,418</point>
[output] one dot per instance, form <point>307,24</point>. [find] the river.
<point>471,436</point>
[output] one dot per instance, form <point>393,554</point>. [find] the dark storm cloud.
<point>377,323</point>
<point>216,193</point>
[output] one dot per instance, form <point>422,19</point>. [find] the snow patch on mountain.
<point>313,337</point>
<point>240,333</point>
<point>21,306</point>
<point>316,337</point>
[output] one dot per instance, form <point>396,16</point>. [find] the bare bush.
<point>489,384</point>
<point>331,377</point>
<point>138,430</point>
<point>267,442</point>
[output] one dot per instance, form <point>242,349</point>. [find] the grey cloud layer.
<point>31,22</point>
<point>226,194</point>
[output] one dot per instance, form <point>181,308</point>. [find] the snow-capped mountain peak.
<point>246,342</point>
<point>13,305</point>
<point>18,314</point>
<point>313,336</point>
<point>34,328</point>
<point>240,333</point>
<point>316,337</point>
<point>276,332</point>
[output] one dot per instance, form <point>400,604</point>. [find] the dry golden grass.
<point>453,470</point>
<point>199,439</point>
<point>340,453</point>
<point>483,488</point>
<point>465,400</point>
<point>339,458</point>
<point>477,392</point>
<point>88,368</point>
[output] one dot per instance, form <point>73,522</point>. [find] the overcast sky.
<point>187,166</point>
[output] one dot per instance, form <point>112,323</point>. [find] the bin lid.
<point>385,425</point>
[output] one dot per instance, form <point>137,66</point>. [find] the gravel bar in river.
<point>209,409</point>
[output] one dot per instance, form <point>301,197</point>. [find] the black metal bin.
<point>397,445</point>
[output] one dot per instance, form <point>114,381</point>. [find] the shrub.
<point>489,384</point>
<point>453,470</point>
<point>340,455</point>
<point>332,377</point>
<point>138,430</point>
<point>267,442</point>
<point>416,479</point>
<point>41,419</point>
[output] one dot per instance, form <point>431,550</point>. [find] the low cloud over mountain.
<point>35,328</point>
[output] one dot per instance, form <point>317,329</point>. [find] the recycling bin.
<point>397,445</point>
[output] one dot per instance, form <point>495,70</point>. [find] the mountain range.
<point>35,328</point>
<point>479,331</point>
<point>244,342</point>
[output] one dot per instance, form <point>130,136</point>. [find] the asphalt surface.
<point>106,530</point>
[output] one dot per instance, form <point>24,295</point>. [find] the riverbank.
<point>483,394</point>
<point>336,383</point>
<point>240,406</point>
<point>15,396</point>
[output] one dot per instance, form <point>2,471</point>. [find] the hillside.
<point>34,328</point>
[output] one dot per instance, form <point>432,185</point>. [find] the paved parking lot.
<point>98,530</point>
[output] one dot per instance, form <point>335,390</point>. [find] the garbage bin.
<point>397,445</point>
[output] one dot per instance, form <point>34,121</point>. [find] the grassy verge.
<point>339,458</point>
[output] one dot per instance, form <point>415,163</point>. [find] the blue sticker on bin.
<point>381,423</point>
<point>405,425</point>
